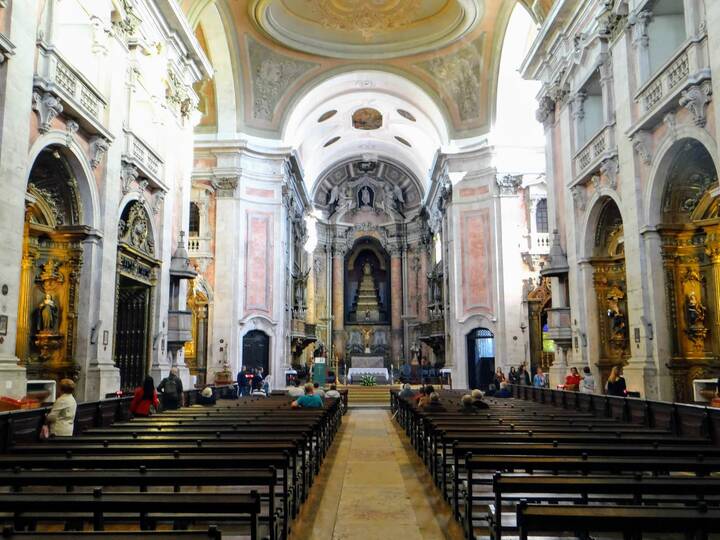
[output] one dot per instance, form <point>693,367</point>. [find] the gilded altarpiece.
<point>690,233</point>
<point>50,274</point>
<point>539,299</point>
<point>196,349</point>
<point>610,286</point>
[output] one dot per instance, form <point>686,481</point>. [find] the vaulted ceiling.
<point>270,54</point>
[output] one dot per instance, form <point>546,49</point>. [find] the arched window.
<point>194,226</point>
<point>541,216</point>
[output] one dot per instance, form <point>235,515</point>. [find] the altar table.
<point>381,374</point>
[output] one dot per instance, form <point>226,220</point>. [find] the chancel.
<point>334,268</point>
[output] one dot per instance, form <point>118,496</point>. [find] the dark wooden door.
<point>481,358</point>
<point>256,351</point>
<point>131,333</point>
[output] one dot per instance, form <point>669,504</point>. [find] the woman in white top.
<point>587,384</point>
<point>61,418</point>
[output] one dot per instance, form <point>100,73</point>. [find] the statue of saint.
<point>365,196</point>
<point>47,314</point>
<point>695,309</point>
<point>367,269</point>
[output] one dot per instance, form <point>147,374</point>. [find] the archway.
<point>137,269</point>
<point>256,351</point>
<point>609,282</point>
<point>51,267</point>
<point>690,231</point>
<point>480,358</point>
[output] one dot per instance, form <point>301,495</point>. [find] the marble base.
<point>13,380</point>
<point>100,381</point>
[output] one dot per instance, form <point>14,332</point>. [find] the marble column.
<point>396,305</point>
<point>338,308</point>
<point>423,314</point>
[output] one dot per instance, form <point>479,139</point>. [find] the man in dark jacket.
<point>171,390</point>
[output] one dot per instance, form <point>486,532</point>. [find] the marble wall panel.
<point>476,253</point>
<point>259,263</point>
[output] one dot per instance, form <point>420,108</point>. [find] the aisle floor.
<point>373,486</point>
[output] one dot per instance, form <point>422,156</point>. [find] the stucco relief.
<point>476,253</point>
<point>459,75</point>
<point>259,263</point>
<point>368,17</point>
<point>272,75</point>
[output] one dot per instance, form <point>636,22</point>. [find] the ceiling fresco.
<point>282,49</point>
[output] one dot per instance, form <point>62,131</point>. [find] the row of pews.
<point>243,467</point>
<point>558,465</point>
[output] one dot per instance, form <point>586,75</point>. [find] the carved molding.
<point>642,144</point>
<point>158,200</point>
<point>579,197</point>
<point>48,107</point>
<point>72,128</point>
<point>695,99</point>
<point>128,175</point>
<point>578,105</point>
<point>545,114</point>
<point>508,184</point>
<point>639,23</point>
<point>225,187</point>
<point>670,122</point>
<point>98,148</point>
<point>609,169</point>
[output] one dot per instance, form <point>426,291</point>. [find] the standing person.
<point>539,380</point>
<point>61,418</point>
<point>572,381</point>
<point>145,401</point>
<point>616,383</point>
<point>243,380</point>
<point>257,382</point>
<point>587,385</point>
<point>513,376</point>
<point>171,390</point>
<point>523,375</point>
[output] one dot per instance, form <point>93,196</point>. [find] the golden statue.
<point>367,333</point>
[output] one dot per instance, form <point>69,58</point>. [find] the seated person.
<point>504,391</point>
<point>333,392</point>
<point>319,391</point>
<point>433,403</point>
<point>207,396</point>
<point>295,390</point>
<point>405,372</point>
<point>309,400</point>
<point>466,405</point>
<point>406,392</point>
<point>477,400</point>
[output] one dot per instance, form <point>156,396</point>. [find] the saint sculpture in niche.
<point>47,314</point>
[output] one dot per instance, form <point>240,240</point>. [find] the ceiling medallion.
<point>367,119</point>
<point>368,17</point>
<point>366,29</point>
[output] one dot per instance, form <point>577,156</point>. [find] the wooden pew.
<point>213,533</point>
<point>150,507</point>
<point>631,521</point>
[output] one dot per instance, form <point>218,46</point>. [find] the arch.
<point>591,219</point>
<point>666,153</point>
<point>79,167</point>
<point>373,245</point>
<point>481,347</point>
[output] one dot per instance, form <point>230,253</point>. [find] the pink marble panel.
<point>257,192</point>
<point>469,192</point>
<point>476,254</point>
<point>259,263</point>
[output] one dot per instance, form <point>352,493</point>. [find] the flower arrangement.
<point>368,380</point>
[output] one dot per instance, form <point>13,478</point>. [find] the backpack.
<point>170,387</point>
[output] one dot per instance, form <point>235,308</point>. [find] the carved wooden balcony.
<point>559,326</point>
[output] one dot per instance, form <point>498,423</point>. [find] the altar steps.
<point>369,395</point>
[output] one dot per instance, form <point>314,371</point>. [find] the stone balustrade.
<point>599,148</point>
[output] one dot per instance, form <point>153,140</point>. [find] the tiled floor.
<point>373,487</point>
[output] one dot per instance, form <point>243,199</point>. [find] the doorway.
<point>256,351</point>
<point>481,358</point>
<point>131,332</point>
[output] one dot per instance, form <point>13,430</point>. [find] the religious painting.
<point>258,263</point>
<point>367,119</point>
<point>476,261</point>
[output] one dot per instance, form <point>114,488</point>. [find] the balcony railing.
<point>199,246</point>
<point>540,243</point>
<point>79,97</point>
<point>660,94</point>
<point>594,152</point>
<point>137,152</point>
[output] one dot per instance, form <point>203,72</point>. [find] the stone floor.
<point>373,486</point>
